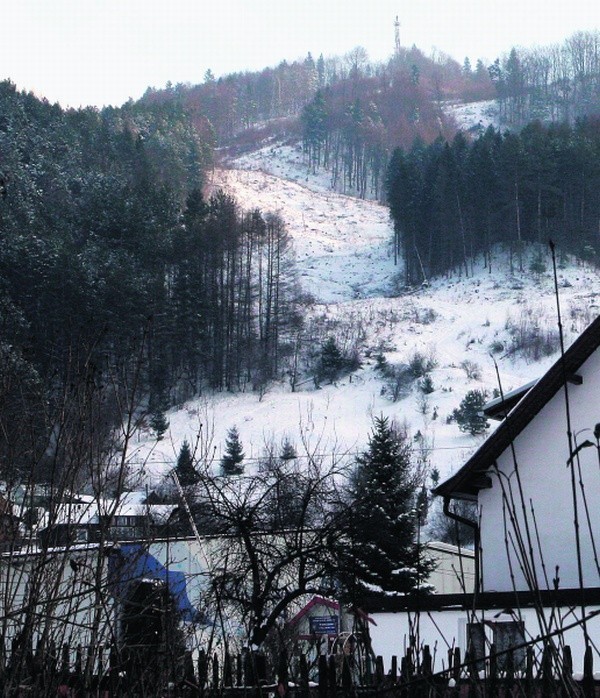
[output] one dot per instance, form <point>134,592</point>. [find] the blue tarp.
<point>132,562</point>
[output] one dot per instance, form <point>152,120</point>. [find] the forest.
<point>452,201</point>
<point>112,260</point>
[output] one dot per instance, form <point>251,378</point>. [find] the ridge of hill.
<point>462,326</point>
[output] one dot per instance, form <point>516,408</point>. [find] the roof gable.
<point>466,483</point>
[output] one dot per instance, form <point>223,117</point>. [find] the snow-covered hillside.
<point>465,326</point>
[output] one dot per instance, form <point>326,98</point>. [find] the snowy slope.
<point>342,244</point>
<point>342,249</point>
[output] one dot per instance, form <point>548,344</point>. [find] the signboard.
<point>323,625</point>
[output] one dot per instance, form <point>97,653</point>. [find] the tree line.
<point>452,201</point>
<point>559,82</point>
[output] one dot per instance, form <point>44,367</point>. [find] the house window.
<point>476,644</point>
<point>80,535</point>
<point>504,635</point>
<point>508,634</point>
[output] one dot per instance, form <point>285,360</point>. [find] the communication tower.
<point>397,34</point>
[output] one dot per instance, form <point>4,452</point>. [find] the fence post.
<point>547,676</point>
<point>455,664</point>
<point>113,663</point>
<point>202,670</point>
<point>99,668</point>
<point>331,675</point>
<point>529,685</point>
<point>215,672</point>
<point>323,675</point>
<point>472,672</point>
<point>346,677</point>
<point>303,677</point>
<point>427,670</point>
<point>493,670</point>
<point>379,670</point>
<point>368,670</point>
<point>567,668</point>
<point>51,661</point>
<point>260,663</point>
<point>189,677</point>
<point>394,669</point>
<point>227,670</point>
<point>588,672</point>
<point>509,672</point>
<point>405,672</point>
<point>282,674</point>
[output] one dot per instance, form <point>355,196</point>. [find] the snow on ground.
<point>475,116</point>
<point>342,254</point>
<point>342,244</point>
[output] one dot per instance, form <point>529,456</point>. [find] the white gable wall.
<point>542,453</point>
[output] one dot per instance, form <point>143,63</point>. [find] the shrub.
<point>420,364</point>
<point>472,369</point>
<point>426,385</point>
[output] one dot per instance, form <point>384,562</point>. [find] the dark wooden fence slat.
<point>323,675</point>
<point>331,675</point>
<point>588,672</point>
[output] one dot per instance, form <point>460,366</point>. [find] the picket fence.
<point>69,673</point>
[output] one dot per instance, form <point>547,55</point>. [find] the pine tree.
<point>331,362</point>
<point>288,451</point>
<point>381,554</point>
<point>231,462</point>
<point>186,472</point>
<point>469,415</point>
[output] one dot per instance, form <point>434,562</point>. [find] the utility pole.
<point>397,35</point>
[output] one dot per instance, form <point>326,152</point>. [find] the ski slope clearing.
<point>491,327</point>
<point>342,244</point>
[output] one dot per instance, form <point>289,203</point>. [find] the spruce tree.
<point>231,462</point>
<point>288,451</point>
<point>331,362</point>
<point>186,473</point>
<point>469,416</point>
<point>381,554</point>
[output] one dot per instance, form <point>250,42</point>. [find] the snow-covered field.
<point>343,255</point>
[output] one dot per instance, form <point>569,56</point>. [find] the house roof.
<point>499,407</point>
<point>322,601</point>
<point>466,482</point>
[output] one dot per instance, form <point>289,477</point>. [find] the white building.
<point>536,481</point>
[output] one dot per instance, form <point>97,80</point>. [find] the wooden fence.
<point>104,673</point>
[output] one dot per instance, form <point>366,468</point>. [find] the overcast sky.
<point>99,52</point>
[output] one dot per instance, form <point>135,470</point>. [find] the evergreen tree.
<point>186,472</point>
<point>231,462</point>
<point>381,554</point>
<point>331,362</point>
<point>288,451</point>
<point>469,415</point>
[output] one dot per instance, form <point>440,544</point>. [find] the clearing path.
<point>342,244</point>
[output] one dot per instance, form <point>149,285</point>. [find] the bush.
<point>496,347</point>
<point>426,385</point>
<point>420,364</point>
<point>472,369</point>
<point>531,340</point>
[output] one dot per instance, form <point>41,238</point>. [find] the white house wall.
<point>542,504</point>
<point>447,629</point>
